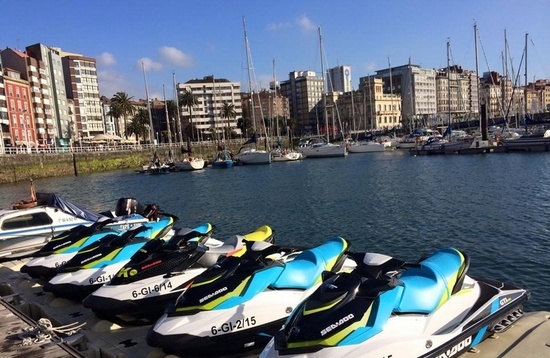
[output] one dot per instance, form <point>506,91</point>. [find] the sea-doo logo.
<point>91,258</point>
<point>457,348</point>
<point>215,293</point>
<point>337,324</point>
<point>62,244</point>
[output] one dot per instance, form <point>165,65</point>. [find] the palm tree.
<point>139,125</point>
<point>115,112</point>
<point>228,112</point>
<point>123,106</point>
<point>189,100</point>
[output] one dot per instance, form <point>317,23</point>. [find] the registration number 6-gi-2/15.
<point>234,325</point>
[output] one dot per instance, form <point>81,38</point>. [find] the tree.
<point>139,125</point>
<point>244,124</point>
<point>228,112</point>
<point>173,113</point>
<point>189,100</point>
<point>123,106</point>
<point>115,112</point>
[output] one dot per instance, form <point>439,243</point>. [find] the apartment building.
<point>268,105</point>
<point>4,118</point>
<point>211,93</point>
<point>416,87</point>
<point>82,87</point>
<point>34,71</point>
<point>457,95</point>
<point>304,90</point>
<point>339,79</point>
<point>55,100</point>
<point>22,129</point>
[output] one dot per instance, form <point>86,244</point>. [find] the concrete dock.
<point>23,304</point>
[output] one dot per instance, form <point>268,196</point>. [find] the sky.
<point>143,41</point>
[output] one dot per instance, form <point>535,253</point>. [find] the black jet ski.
<point>159,273</point>
<point>63,247</point>
<point>97,263</point>
<point>237,303</point>
<point>387,308</point>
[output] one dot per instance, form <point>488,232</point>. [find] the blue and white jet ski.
<point>63,247</point>
<point>389,309</point>
<point>158,274</point>
<point>237,303</point>
<point>97,263</point>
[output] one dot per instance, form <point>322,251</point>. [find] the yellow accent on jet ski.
<point>78,243</point>
<point>263,233</point>
<point>452,281</point>
<point>209,306</point>
<point>320,309</point>
<point>196,284</point>
<point>331,263</point>
<point>109,257</point>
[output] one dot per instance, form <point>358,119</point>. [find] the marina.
<point>491,207</point>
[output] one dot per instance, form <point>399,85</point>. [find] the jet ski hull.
<point>143,300</point>
<point>246,326</point>
<point>77,285</point>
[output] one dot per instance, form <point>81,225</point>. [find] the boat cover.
<point>51,199</point>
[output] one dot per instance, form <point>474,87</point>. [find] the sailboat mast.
<point>248,65</point>
<point>371,107</point>
<point>151,132</point>
<point>526,79</point>
<point>178,120</point>
<point>482,122</point>
<point>324,85</point>
<point>167,118</point>
<point>391,88</point>
<point>272,107</point>
<point>448,81</point>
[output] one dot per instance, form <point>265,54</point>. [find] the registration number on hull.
<point>233,325</point>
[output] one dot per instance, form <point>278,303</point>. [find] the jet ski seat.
<point>427,287</point>
<point>304,271</point>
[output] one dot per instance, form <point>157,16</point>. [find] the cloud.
<point>110,82</point>
<point>149,65</point>
<point>176,57</point>
<point>278,26</point>
<point>106,59</point>
<point>305,23</point>
<point>369,67</point>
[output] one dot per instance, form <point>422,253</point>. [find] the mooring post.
<point>74,166</point>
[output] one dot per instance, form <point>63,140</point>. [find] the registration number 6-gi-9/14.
<point>234,325</point>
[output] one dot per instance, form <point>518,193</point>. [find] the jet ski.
<point>157,275</point>
<point>97,263</point>
<point>236,304</point>
<point>428,309</point>
<point>63,247</point>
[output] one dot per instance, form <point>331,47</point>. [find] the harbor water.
<point>493,207</point>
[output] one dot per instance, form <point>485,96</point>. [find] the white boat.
<point>417,138</point>
<point>188,164</point>
<point>278,155</point>
<point>252,156</point>
<point>366,146</point>
<point>318,147</point>
<point>23,230</point>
